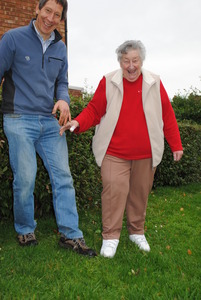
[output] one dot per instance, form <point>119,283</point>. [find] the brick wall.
<point>75,91</point>
<point>15,13</point>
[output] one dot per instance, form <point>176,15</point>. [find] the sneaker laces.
<point>26,237</point>
<point>30,236</point>
<point>110,243</point>
<point>80,243</point>
<point>141,239</point>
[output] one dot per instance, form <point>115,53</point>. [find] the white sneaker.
<point>109,248</point>
<point>140,240</point>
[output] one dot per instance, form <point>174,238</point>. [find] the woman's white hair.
<point>131,45</point>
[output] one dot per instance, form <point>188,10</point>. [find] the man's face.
<point>131,65</point>
<point>49,17</point>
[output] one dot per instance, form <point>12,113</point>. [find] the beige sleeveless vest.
<point>152,109</point>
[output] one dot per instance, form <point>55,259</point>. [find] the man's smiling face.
<point>48,18</point>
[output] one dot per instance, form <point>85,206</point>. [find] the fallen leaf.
<point>189,252</point>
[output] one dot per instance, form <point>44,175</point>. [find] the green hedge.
<point>188,169</point>
<point>86,174</point>
<point>188,106</point>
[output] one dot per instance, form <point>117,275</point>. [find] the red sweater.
<point>130,139</point>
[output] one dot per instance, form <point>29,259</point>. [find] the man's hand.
<point>177,155</point>
<point>73,124</point>
<point>64,109</point>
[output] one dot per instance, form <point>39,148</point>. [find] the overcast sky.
<point>169,29</point>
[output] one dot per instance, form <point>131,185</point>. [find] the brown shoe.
<point>77,245</point>
<point>28,239</point>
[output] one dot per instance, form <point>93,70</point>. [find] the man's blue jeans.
<point>28,134</point>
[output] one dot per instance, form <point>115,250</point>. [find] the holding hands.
<point>65,117</point>
<point>72,125</point>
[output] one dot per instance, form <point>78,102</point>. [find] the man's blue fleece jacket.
<point>32,79</point>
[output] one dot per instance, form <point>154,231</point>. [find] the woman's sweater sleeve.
<point>171,129</point>
<point>95,110</point>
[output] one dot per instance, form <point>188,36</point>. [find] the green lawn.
<point>172,270</point>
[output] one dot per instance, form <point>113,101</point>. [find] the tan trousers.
<point>126,186</point>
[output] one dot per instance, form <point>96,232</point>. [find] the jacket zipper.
<point>44,54</point>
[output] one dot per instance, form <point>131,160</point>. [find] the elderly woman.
<point>133,114</point>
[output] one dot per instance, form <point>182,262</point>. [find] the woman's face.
<point>131,65</point>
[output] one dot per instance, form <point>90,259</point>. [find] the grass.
<point>172,270</point>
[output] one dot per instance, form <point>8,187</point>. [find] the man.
<point>34,67</point>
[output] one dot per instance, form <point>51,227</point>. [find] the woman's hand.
<point>70,125</point>
<point>177,155</point>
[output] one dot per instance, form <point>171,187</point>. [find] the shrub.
<point>188,169</point>
<point>188,107</point>
<point>86,174</point>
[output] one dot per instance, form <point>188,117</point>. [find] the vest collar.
<point>147,77</point>
<point>118,76</point>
